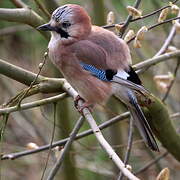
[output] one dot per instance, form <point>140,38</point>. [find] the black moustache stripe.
<point>63,33</point>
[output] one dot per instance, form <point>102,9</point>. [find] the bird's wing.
<point>115,47</point>
<point>103,49</point>
<point>90,53</point>
<point>94,58</point>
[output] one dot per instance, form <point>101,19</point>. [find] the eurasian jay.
<point>95,62</point>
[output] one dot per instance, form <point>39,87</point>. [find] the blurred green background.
<point>24,46</point>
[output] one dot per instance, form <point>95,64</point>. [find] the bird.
<point>96,62</point>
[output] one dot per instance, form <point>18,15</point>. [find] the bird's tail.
<point>141,122</point>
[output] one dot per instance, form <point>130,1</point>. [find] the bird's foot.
<point>84,105</point>
<point>77,98</point>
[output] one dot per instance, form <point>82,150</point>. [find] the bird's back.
<point>116,48</point>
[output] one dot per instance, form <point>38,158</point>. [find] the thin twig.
<point>25,116</point>
<point>23,15</point>
<point>172,82</point>
<point>33,104</point>
<point>155,25</point>
<point>164,22</point>
<point>129,18</point>
<point>155,60</point>
<point>43,8</point>
<point>66,148</point>
<point>63,142</point>
<point>140,18</point>
<point>175,115</point>
<point>129,146</point>
<point>34,81</point>
<point>149,164</point>
<point>105,145</point>
<point>152,13</point>
<point>51,142</point>
<point>3,126</point>
<point>19,4</point>
<point>167,41</point>
<point>54,84</point>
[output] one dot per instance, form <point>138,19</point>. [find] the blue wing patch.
<point>99,73</point>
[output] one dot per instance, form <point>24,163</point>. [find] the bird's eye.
<point>66,24</point>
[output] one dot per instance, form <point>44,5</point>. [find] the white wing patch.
<point>122,74</point>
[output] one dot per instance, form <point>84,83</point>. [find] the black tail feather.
<point>141,123</point>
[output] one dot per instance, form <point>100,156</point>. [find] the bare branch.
<point>143,17</point>
<point>155,60</point>
<point>26,77</point>
<point>33,104</point>
<point>34,81</point>
<point>149,164</point>
<point>111,153</point>
<point>51,5</point>
<point>21,75</point>
<point>172,82</point>
<point>129,146</point>
<point>19,4</point>
<point>156,25</point>
<point>154,12</point>
<point>106,124</point>
<point>66,148</point>
<point>51,141</point>
<point>164,22</point>
<point>129,18</point>
<point>175,115</point>
<point>168,40</point>
<point>43,8</point>
<point>62,142</point>
<point>22,15</point>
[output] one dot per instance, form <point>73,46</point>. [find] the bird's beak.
<point>46,27</point>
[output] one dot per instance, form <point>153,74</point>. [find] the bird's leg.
<point>85,104</point>
<point>76,99</point>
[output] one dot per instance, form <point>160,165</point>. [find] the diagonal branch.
<point>155,60</point>
<point>22,15</point>
<point>62,142</point>
<point>26,77</point>
<point>104,144</point>
<point>129,146</point>
<point>43,8</point>
<point>172,82</point>
<point>129,18</point>
<point>149,164</point>
<point>143,17</point>
<point>23,76</point>
<point>34,104</point>
<point>19,3</point>
<point>154,108</point>
<point>168,40</point>
<point>156,25</point>
<point>106,124</point>
<point>66,148</point>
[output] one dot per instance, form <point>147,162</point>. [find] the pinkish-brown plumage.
<point>92,45</point>
<point>73,41</point>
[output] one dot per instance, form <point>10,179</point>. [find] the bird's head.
<point>69,23</point>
